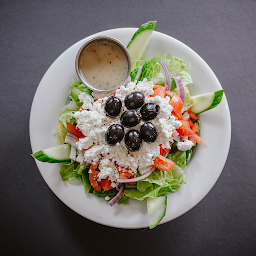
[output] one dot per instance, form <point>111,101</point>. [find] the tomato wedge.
<point>106,184</point>
<point>159,90</point>
<point>163,163</point>
<point>177,105</point>
<point>195,139</point>
<point>185,129</point>
<point>93,176</point>
<point>73,129</point>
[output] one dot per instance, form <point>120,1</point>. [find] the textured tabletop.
<point>33,221</point>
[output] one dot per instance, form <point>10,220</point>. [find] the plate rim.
<point>177,41</point>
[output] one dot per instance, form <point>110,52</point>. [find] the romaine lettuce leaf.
<point>76,89</point>
<point>136,63</point>
<point>71,105</point>
<point>68,172</point>
<point>161,183</point>
<point>153,71</point>
<point>67,117</point>
<point>60,133</point>
<point>150,69</point>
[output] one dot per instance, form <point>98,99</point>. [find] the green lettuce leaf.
<point>60,133</point>
<point>81,167</point>
<point>71,105</point>
<point>68,172</point>
<point>76,89</point>
<point>67,117</point>
<point>136,63</point>
<point>161,183</point>
<point>150,69</point>
<point>86,181</point>
<point>123,200</point>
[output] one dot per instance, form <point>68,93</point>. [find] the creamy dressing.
<point>104,65</point>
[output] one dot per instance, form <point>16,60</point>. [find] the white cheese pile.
<point>94,123</point>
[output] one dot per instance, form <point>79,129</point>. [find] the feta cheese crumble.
<point>94,123</point>
<point>185,145</point>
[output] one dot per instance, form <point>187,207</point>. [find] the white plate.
<point>203,170</point>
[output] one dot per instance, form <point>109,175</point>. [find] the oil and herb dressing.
<point>104,65</point>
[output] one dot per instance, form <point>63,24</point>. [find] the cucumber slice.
<point>140,39</point>
<point>203,102</point>
<point>57,154</point>
<point>156,210</point>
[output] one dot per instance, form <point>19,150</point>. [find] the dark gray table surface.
<point>33,221</point>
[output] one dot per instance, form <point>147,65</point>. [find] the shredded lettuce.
<point>161,183</point>
<point>76,89</point>
<point>67,117</point>
<point>68,172</point>
<point>136,63</point>
<point>111,194</point>
<point>153,71</point>
<point>71,105</point>
<point>81,167</point>
<point>60,133</point>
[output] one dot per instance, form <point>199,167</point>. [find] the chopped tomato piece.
<point>106,184</point>
<point>163,163</point>
<point>195,139</point>
<point>163,150</point>
<point>125,174</point>
<point>195,128</point>
<point>75,130</point>
<point>193,116</point>
<point>178,116</point>
<point>167,150</point>
<point>93,176</point>
<point>159,90</point>
<point>185,130</point>
<point>190,123</point>
<point>176,103</point>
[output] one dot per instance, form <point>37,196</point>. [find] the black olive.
<point>113,106</point>
<point>134,100</point>
<point>148,132</point>
<point>114,134</point>
<point>149,111</point>
<point>132,140</point>
<point>130,118</point>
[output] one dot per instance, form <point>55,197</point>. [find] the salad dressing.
<point>104,65</point>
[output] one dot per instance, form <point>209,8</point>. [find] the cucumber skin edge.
<point>150,25</point>
<point>165,204</point>
<point>40,156</point>
<point>217,99</point>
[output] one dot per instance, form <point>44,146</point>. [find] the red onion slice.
<point>137,178</point>
<point>177,138</point>
<point>71,139</point>
<point>128,80</point>
<point>69,134</point>
<point>180,88</point>
<point>167,76</point>
<point>118,196</point>
<point>138,73</point>
<point>72,155</point>
<point>165,154</point>
<point>80,157</point>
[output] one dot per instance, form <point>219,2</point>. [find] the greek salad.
<point>134,142</point>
